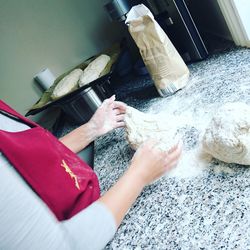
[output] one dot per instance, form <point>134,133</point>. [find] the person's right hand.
<point>149,163</point>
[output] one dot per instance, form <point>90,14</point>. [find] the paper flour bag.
<point>165,65</point>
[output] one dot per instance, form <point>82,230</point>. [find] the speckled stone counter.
<point>208,210</point>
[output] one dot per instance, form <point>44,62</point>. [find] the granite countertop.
<point>209,209</point>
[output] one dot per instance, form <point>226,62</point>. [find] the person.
<point>29,221</point>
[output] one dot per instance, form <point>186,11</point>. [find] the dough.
<point>141,126</point>
<point>67,84</point>
<point>227,137</point>
<point>93,70</point>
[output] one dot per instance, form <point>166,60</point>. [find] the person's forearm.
<point>108,116</point>
<point>79,138</point>
<point>123,194</point>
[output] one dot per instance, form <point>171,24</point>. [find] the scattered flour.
<point>166,128</point>
<point>192,163</point>
<point>225,135</point>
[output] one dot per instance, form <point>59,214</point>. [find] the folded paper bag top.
<point>166,67</point>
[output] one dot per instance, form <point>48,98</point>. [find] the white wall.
<point>235,13</point>
<point>57,34</point>
<point>243,8</point>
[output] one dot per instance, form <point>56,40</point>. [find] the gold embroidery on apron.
<point>72,175</point>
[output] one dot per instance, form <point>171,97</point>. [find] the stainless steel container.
<point>80,107</point>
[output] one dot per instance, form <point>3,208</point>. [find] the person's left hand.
<point>108,116</point>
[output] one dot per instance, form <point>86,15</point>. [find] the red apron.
<point>61,179</point>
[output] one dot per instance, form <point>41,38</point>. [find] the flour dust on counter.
<point>207,209</point>
<point>169,130</point>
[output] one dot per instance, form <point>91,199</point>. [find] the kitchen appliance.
<point>175,19</point>
<point>117,9</point>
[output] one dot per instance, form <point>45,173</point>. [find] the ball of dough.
<point>67,84</point>
<point>94,69</point>
<point>227,137</point>
<point>140,127</point>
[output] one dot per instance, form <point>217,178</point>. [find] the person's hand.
<point>108,116</point>
<point>149,163</point>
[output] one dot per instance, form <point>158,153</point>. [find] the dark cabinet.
<point>175,19</point>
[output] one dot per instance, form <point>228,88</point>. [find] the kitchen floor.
<point>203,203</point>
